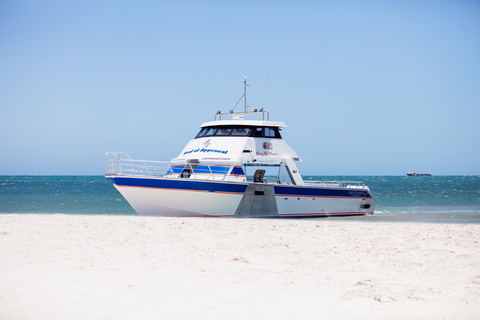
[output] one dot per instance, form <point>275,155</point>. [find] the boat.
<point>412,174</point>
<point>225,171</point>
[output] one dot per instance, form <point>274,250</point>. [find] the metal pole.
<point>245,94</point>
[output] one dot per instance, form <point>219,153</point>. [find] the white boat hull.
<point>179,203</point>
<point>181,197</point>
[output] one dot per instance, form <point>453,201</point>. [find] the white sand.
<point>126,267</point>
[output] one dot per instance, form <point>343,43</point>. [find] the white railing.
<point>256,112</point>
<point>328,184</point>
<point>338,184</point>
<point>271,180</point>
<point>120,163</point>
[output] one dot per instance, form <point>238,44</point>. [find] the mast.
<point>244,97</point>
<point>245,94</point>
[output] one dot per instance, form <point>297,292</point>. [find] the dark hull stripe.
<point>181,185</point>
<point>321,192</point>
<point>234,188</point>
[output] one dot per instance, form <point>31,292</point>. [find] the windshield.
<point>240,131</point>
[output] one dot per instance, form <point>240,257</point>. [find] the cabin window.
<point>269,132</point>
<point>240,131</point>
<point>266,132</point>
<point>210,132</point>
<point>202,132</point>
<point>223,131</point>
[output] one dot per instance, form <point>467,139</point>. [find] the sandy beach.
<point>127,267</point>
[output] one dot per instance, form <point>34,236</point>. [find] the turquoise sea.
<point>435,199</point>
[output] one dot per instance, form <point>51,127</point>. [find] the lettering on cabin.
<point>266,153</point>
<point>206,150</point>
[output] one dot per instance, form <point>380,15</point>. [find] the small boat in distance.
<point>221,172</point>
<point>418,174</point>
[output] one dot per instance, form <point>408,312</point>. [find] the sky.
<point>364,87</point>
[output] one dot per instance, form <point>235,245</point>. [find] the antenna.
<point>245,94</point>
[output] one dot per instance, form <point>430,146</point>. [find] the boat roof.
<point>256,123</point>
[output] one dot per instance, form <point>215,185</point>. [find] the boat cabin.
<point>224,149</point>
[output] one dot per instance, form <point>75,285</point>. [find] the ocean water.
<point>435,199</point>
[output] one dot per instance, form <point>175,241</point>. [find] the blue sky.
<point>365,87</point>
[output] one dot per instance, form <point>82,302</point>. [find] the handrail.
<point>341,184</point>
<point>331,184</point>
<point>120,163</point>
<point>259,111</point>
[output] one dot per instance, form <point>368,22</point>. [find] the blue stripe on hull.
<point>211,186</point>
<point>321,192</point>
<point>177,184</point>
